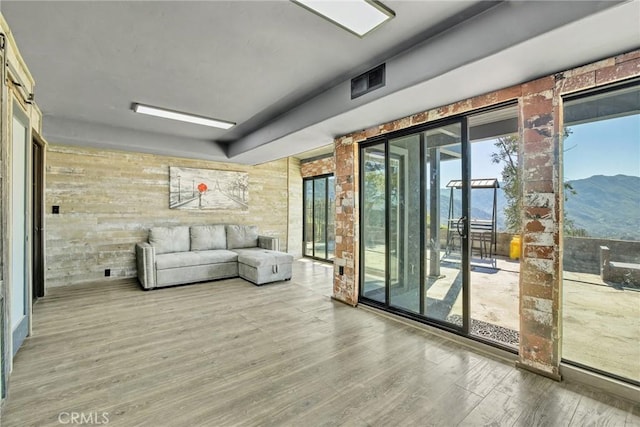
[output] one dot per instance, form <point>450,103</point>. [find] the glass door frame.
<point>576,96</point>
<point>313,179</point>
<point>465,247</point>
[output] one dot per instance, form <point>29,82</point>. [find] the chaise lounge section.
<point>182,254</point>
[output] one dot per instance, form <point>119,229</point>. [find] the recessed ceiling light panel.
<point>183,117</point>
<point>356,16</point>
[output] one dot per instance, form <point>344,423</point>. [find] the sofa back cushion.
<point>208,237</point>
<point>242,236</point>
<point>169,239</point>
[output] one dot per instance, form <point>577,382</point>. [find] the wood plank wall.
<point>109,199</point>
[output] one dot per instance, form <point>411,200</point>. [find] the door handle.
<point>463,221</point>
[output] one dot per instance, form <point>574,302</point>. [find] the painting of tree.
<point>193,189</point>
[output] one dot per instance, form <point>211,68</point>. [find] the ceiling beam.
<point>505,26</point>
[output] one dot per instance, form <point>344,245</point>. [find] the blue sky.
<point>607,147</point>
<point>481,166</point>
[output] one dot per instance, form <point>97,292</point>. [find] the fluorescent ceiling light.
<point>183,117</point>
<point>356,16</point>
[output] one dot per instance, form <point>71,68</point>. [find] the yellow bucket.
<point>515,248</point>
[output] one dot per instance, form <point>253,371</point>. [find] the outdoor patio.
<point>600,325</point>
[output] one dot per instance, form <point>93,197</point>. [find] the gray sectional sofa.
<point>182,254</point>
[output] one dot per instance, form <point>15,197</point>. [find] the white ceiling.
<point>281,72</point>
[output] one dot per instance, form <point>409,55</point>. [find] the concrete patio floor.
<point>601,325</point>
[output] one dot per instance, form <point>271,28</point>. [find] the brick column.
<point>317,167</point>
<point>540,276</point>
<point>345,286</point>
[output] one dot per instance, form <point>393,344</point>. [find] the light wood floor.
<point>230,353</point>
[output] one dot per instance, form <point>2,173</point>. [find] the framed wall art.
<point>197,189</point>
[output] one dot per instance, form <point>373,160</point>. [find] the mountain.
<point>481,204</point>
<point>606,206</point>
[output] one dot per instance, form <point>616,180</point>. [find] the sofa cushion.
<point>190,259</point>
<point>218,256</point>
<point>169,239</point>
<point>207,237</point>
<point>242,236</point>
<point>257,257</point>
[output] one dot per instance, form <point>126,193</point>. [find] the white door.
<point>18,227</point>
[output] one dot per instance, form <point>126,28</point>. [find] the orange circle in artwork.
<point>202,187</point>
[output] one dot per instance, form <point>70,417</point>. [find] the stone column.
<point>540,278</point>
<point>345,285</point>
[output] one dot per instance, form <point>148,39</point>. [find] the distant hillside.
<point>481,205</point>
<point>606,206</point>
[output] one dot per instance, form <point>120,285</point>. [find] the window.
<point>319,217</point>
<point>601,231</point>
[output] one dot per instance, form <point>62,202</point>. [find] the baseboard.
<point>577,375</point>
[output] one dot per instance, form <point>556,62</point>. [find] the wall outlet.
<point>107,272</point>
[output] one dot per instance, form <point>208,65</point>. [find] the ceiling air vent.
<point>371,80</point>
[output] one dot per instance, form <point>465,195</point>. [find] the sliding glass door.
<point>444,228</point>
<point>427,245</point>
<point>319,212</point>
<point>404,219</point>
<point>373,224</point>
<point>404,210</point>
<point>601,235</point>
